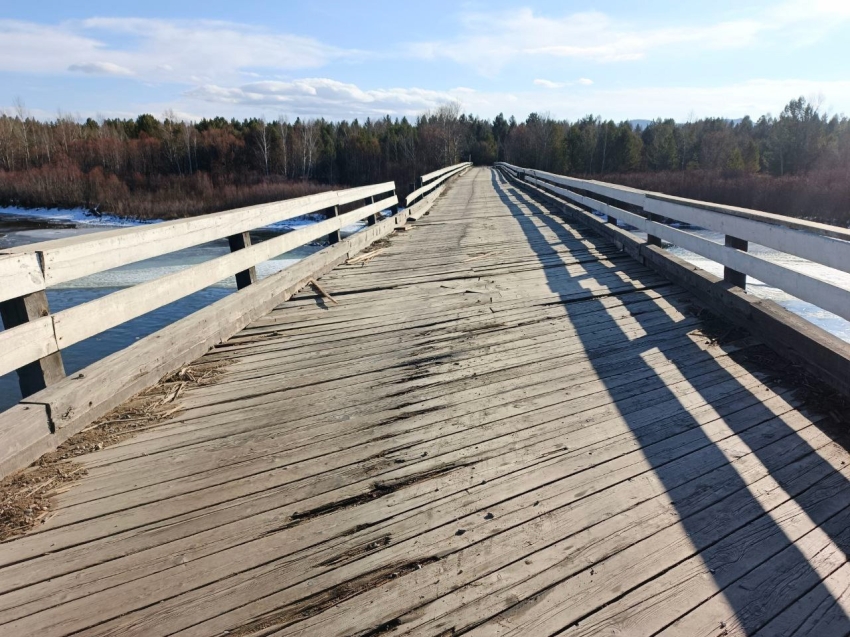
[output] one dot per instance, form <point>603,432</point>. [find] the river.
<point>19,227</point>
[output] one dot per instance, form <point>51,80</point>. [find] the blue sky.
<point>618,59</point>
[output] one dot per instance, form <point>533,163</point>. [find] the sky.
<point>619,59</point>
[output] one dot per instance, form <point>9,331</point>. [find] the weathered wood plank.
<point>25,432</point>
<point>20,274</point>
<point>26,343</point>
<point>38,363</point>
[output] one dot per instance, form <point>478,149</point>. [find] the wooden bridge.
<point>510,416</point>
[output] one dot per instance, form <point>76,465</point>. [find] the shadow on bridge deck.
<point>767,544</point>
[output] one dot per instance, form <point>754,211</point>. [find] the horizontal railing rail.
<point>32,333</point>
<point>71,258</point>
<point>820,243</point>
<point>424,179</point>
<point>433,180</point>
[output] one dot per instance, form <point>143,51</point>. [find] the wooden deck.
<point>503,427</point>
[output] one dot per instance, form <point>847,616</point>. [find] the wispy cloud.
<point>100,68</point>
<point>328,98</point>
<point>582,81</point>
<point>488,41</point>
<point>159,50</point>
<point>549,84</point>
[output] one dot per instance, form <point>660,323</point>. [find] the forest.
<point>796,163</point>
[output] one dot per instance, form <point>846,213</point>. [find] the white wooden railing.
<point>428,183</point>
<point>33,334</point>
<point>821,243</point>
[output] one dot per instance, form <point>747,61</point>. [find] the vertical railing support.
<point>372,219</point>
<point>35,376</point>
<point>335,236</point>
<point>394,208</point>
<point>240,242</point>
<point>733,276</point>
<point>651,239</point>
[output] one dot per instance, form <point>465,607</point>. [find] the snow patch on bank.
<point>79,216</point>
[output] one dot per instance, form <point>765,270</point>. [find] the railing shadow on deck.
<point>817,488</point>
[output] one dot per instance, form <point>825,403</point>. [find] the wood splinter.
<point>363,258</point>
<point>318,288</point>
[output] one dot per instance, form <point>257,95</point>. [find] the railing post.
<point>651,239</point>
<point>372,219</point>
<point>35,376</point>
<point>335,236</point>
<point>394,208</point>
<point>240,242</point>
<point>733,276</point>
<point>611,220</point>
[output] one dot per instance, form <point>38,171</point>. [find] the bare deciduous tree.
<point>23,120</point>
<point>309,140</point>
<point>263,144</point>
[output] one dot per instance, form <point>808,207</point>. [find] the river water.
<point>19,227</point>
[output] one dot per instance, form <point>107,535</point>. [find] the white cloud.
<point>582,81</point>
<point>549,84</point>
<point>100,68</point>
<point>488,41</point>
<point>322,97</point>
<point>158,50</point>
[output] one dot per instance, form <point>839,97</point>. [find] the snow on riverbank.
<point>75,215</point>
<point>83,217</point>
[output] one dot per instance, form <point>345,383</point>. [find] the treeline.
<point>150,168</point>
<point>797,163</point>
